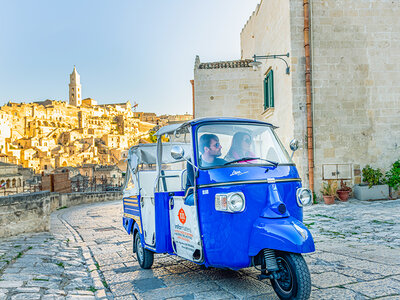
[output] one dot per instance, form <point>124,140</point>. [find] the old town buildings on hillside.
<point>51,134</point>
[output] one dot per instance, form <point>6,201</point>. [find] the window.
<point>232,142</point>
<point>269,90</point>
<point>130,183</point>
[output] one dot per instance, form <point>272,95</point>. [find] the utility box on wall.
<point>336,172</point>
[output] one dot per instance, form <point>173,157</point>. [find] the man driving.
<point>210,150</point>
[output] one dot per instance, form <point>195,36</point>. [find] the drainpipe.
<point>310,143</point>
<point>192,82</point>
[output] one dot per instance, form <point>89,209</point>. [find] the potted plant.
<point>373,186</point>
<point>328,191</point>
<point>344,191</point>
<point>393,179</point>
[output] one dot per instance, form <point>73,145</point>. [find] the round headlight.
<point>236,202</point>
<point>304,197</point>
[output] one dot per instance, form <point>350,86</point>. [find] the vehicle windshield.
<point>239,144</point>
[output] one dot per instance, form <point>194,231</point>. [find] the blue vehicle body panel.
<point>127,223</point>
<point>246,172</point>
<point>131,206</point>
<point>137,228</point>
<point>226,236</point>
<point>279,234</point>
<point>259,176</point>
<point>163,232</point>
<point>131,212</point>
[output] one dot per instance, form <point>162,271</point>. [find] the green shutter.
<point>269,90</point>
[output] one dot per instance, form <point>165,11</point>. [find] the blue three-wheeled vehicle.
<point>223,193</point>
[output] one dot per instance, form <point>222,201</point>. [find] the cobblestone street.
<point>89,255</point>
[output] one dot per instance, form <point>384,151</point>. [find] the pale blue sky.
<point>136,50</point>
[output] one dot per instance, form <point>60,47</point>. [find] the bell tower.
<point>75,88</point>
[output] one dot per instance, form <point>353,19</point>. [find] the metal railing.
<point>96,184</point>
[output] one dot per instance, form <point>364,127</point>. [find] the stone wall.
<point>31,212</point>
<point>272,29</point>
<point>24,213</point>
<point>356,71</point>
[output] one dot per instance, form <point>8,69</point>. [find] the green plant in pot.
<point>372,176</point>
<point>328,191</point>
<point>344,191</point>
<point>393,177</point>
<point>373,186</point>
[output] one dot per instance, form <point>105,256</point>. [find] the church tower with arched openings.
<point>75,88</point>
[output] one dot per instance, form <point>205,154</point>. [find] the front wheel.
<point>294,281</point>
<point>145,257</point>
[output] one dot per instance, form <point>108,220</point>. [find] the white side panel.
<point>146,181</point>
<point>148,220</point>
<point>184,229</point>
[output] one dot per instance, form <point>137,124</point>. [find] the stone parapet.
<point>31,212</point>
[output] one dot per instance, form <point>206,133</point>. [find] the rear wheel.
<point>294,281</point>
<point>145,257</point>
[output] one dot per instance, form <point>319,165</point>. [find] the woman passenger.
<point>240,147</point>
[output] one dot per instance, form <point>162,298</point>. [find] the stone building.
<point>354,71</point>
<point>110,175</point>
<point>75,88</point>
<point>227,88</point>
<point>11,181</point>
<point>101,174</point>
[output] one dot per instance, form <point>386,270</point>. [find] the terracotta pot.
<point>343,195</point>
<point>329,199</point>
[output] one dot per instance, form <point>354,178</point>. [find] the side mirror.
<point>294,145</point>
<point>177,152</point>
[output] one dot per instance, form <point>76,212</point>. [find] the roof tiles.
<point>226,64</point>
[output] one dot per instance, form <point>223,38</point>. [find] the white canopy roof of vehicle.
<point>147,153</point>
<point>174,129</point>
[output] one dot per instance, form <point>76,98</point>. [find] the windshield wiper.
<point>274,163</point>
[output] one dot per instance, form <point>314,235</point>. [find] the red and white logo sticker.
<point>182,216</point>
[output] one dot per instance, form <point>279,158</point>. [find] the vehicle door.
<point>184,226</point>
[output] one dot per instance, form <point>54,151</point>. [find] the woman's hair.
<point>237,140</point>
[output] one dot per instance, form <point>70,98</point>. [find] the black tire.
<point>144,257</point>
<point>295,281</point>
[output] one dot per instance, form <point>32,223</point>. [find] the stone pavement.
<point>88,254</point>
<point>44,266</point>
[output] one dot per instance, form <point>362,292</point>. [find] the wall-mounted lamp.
<point>255,64</point>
